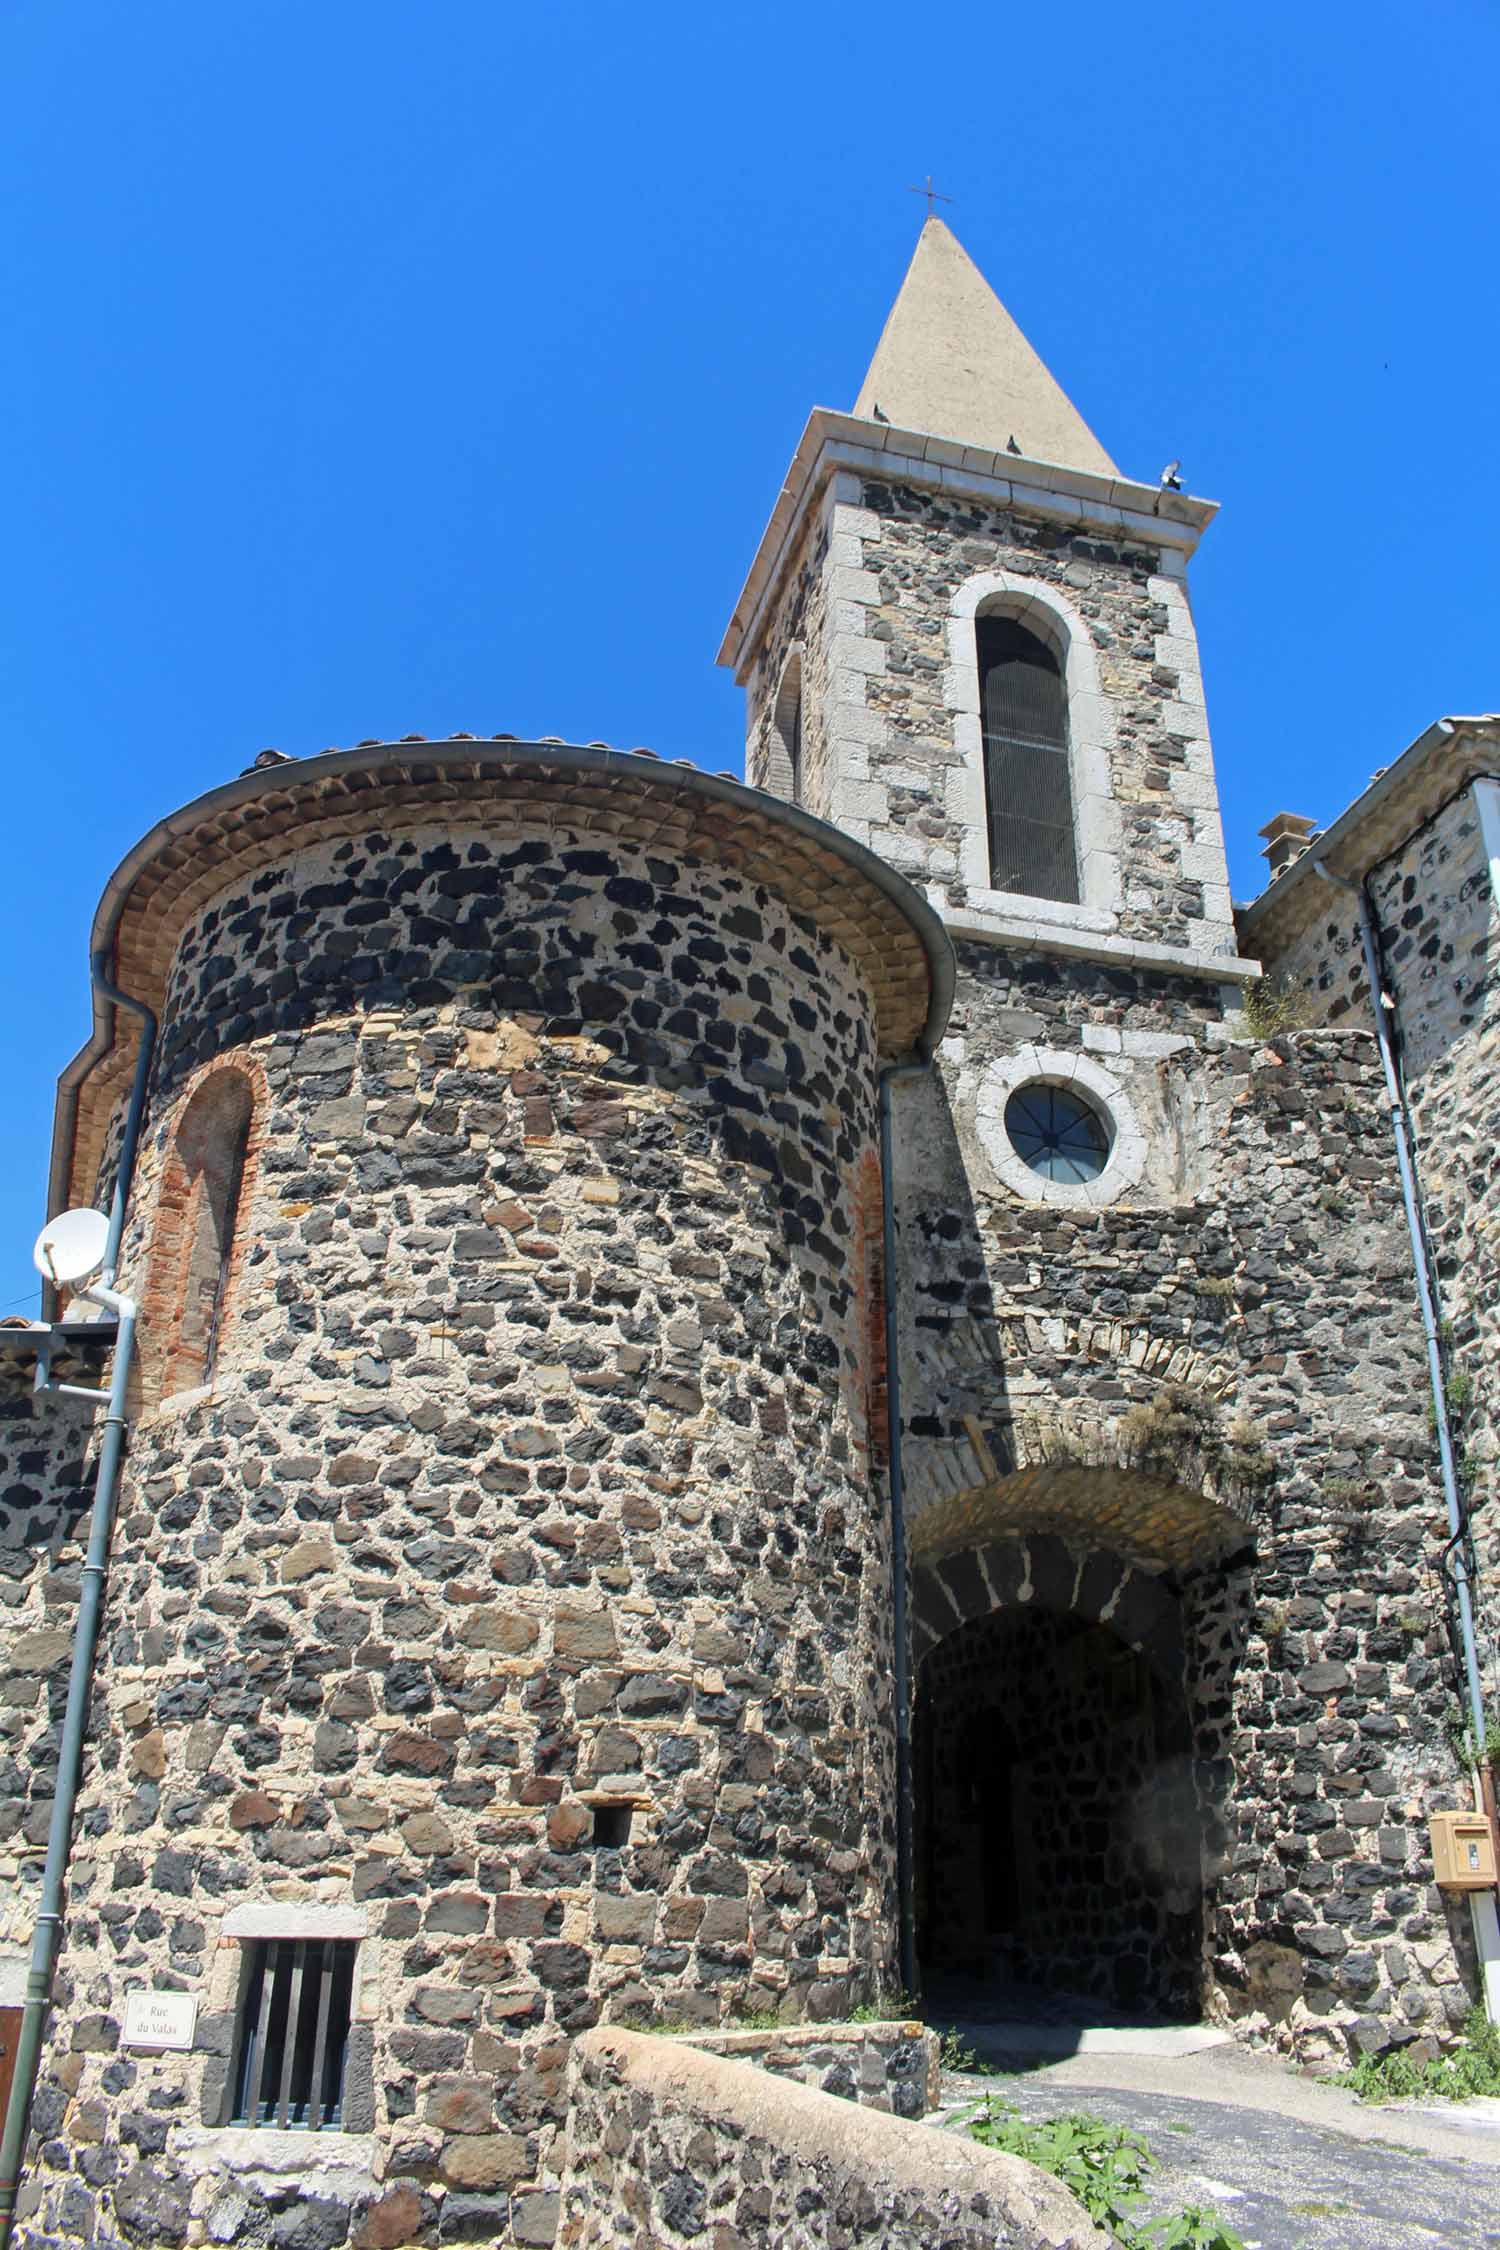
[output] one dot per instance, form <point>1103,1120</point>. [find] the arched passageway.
<point>1059,1836</point>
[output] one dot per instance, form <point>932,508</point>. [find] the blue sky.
<point>374,368</point>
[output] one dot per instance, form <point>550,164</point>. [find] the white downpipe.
<point>1487,1941</point>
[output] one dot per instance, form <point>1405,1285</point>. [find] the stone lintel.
<point>295,1919</point>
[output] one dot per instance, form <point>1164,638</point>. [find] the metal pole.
<point>45,1942</point>
<point>70,1760</point>
<point>1430,1329</point>
<point>1481,1903</point>
<point>905,1855</point>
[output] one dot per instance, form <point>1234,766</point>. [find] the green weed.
<point>1271,1008</point>
<point>886,2007</point>
<point>955,2053</point>
<point>1106,2166</point>
<point>1473,2068</point>
<point>1462,1738</point>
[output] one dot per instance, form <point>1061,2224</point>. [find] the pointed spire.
<point>952,362</point>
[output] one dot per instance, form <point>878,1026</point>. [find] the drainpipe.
<point>46,1940</point>
<point>905,1856</point>
<point>1482,1903</point>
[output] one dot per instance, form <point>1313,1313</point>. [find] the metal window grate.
<point>294,2033</point>
<point>1056,1133</point>
<point>1026,769</point>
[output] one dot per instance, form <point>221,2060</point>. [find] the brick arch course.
<point>219,1121</point>
<point>1097,1586</point>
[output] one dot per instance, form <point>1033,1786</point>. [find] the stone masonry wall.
<point>894,2067</point>
<point>533,1473</point>
<point>885,746</point>
<point>1223,1366</point>
<point>801,626</point>
<point>670,2146</point>
<point>1440,927</point>
<point>46,1490</point>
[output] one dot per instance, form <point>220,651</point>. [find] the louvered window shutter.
<point>1027,784</point>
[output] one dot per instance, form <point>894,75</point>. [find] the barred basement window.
<point>1028,786</point>
<point>294,2033</point>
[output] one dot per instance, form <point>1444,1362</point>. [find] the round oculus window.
<point>1060,1136</point>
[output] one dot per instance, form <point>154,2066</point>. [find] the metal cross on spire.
<point>931,194</point>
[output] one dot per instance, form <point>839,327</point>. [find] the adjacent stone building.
<point>1422,843</point>
<point>501,1632</point>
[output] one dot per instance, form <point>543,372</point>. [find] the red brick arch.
<point>201,1229</point>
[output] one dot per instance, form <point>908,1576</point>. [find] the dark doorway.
<point>1059,1840</point>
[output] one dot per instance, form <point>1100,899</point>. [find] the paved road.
<point>1290,2163</point>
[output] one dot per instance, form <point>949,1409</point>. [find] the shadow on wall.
<point>1053,1410</point>
<point>1076,1620</point>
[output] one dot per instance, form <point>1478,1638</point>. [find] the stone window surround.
<point>1057,1066</point>
<point>294,1918</point>
<point>1091,735</point>
<point>249,2148</point>
<point>166,1273</point>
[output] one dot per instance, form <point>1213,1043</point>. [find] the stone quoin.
<point>500,1635</point>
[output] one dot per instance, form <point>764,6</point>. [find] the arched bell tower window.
<point>784,774</point>
<point>199,1231</point>
<point>1028,785</point>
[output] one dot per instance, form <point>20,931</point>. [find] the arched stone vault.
<point>1099,1432</point>
<point>1100,1588</point>
<point>1148,1520</point>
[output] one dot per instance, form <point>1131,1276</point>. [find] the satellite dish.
<point>71,1247</point>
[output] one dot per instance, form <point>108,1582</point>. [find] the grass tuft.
<point>1470,2069</point>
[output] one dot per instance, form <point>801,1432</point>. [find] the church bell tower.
<point>966,639</point>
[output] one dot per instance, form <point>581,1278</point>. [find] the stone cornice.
<point>1403,798</point>
<point>1156,516</point>
<point>1019,933</point>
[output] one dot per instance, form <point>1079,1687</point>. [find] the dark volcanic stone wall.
<point>1440,933</point>
<point>534,1473</point>
<point>670,2146</point>
<point>46,1489</point>
<point>1217,1374</point>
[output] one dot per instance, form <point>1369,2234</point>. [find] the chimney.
<point>1287,836</point>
